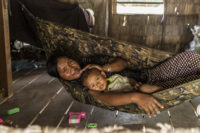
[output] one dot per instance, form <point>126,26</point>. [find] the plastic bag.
<point>195,43</point>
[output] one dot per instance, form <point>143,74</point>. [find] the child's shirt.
<point>118,83</point>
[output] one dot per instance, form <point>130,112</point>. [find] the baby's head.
<point>93,79</point>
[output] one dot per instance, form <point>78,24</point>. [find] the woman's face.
<point>68,69</point>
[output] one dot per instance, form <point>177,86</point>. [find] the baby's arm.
<point>146,102</point>
<point>115,65</point>
<point>147,88</point>
<point>136,85</point>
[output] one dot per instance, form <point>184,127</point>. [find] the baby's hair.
<point>85,74</point>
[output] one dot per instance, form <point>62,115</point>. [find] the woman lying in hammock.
<point>183,64</point>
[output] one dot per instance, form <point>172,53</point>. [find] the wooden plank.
<point>101,18</point>
<point>45,106</point>
<point>131,121</point>
<point>5,58</point>
<point>113,5</point>
<point>154,30</point>
<point>17,75</point>
<point>199,17</point>
<point>160,118</point>
<point>25,80</point>
<point>102,117</point>
<point>55,110</point>
<point>153,41</point>
<point>194,103</point>
<point>181,20</point>
<point>31,100</point>
<point>107,12</point>
<point>185,8</point>
<point>14,100</point>
<point>183,116</point>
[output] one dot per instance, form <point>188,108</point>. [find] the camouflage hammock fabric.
<point>81,44</point>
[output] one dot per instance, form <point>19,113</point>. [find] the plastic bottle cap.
<point>198,109</point>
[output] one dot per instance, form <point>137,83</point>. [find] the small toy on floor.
<point>75,117</point>
<point>10,123</point>
<point>1,120</point>
<point>13,111</point>
<point>92,125</point>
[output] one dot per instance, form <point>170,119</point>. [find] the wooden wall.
<point>198,10</point>
<point>173,34</point>
<point>101,13</point>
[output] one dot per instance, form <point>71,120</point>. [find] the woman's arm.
<point>146,102</point>
<point>115,65</point>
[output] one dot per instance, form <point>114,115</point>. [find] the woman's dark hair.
<point>52,65</point>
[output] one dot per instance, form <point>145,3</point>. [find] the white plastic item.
<point>195,43</point>
<point>198,110</point>
<point>91,12</point>
<point>18,45</point>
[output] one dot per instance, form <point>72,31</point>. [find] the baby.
<point>96,80</point>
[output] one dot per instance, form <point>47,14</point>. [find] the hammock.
<point>57,38</point>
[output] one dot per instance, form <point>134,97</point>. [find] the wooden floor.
<point>43,101</point>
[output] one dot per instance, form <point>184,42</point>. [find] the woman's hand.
<point>90,66</point>
<point>148,103</point>
<point>107,68</point>
<point>144,101</point>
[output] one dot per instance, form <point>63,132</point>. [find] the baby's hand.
<point>146,88</point>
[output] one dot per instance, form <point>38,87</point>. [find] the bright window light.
<point>140,7</point>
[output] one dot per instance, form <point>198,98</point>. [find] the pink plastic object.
<point>1,120</point>
<point>75,118</point>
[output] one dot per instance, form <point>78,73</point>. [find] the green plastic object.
<point>92,125</point>
<point>13,111</point>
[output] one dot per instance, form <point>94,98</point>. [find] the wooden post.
<point>5,57</point>
<point>107,17</point>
